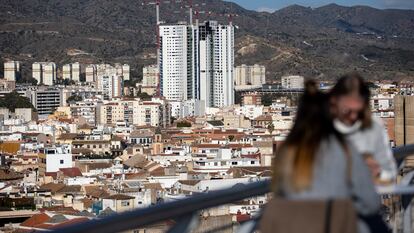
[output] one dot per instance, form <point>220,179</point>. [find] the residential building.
<point>109,81</point>
<point>37,72</point>
<point>150,76</point>
<point>91,73</point>
<point>216,64</point>
<point>46,100</point>
<point>12,70</point>
<point>293,82</point>
<point>126,71</point>
<point>67,71</point>
<point>44,73</point>
<point>76,70</point>
<point>404,120</point>
<point>51,159</point>
<point>118,203</point>
<point>177,62</point>
<point>154,113</point>
<point>249,75</point>
<point>197,62</point>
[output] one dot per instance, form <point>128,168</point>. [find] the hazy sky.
<point>271,5</point>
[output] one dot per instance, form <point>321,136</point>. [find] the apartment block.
<point>91,73</point>
<point>293,82</point>
<point>197,62</point>
<point>249,75</point>
<point>12,70</point>
<point>44,73</point>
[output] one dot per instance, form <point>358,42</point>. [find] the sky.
<point>272,5</point>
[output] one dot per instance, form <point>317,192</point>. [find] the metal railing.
<point>185,211</point>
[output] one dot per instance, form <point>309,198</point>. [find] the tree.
<point>231,138</point>
<point>144,96</point>
<point>74,98</point>
<point>270,127</point>
<point>267,99</point>
<point>182,124</point>
<point>14,100</point>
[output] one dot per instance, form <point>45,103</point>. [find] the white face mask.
<point>346,129</point>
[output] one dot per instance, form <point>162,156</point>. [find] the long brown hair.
<point>353,83</point>
<point>313,124</point>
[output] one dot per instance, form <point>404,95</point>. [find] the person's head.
<point>349,100</point>
<point>312,125</point>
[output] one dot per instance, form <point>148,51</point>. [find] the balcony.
<point>184,214</point>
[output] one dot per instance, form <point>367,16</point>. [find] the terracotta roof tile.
<point>71,172</point>
<point>35,220</point>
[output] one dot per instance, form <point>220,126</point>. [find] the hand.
<point>373,167</point>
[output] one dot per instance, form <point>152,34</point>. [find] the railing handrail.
<point>175,209</point>
<point>172,210</point>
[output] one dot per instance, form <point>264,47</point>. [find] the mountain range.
<point>322,42</point>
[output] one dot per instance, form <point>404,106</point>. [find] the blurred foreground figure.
<point>350,106</point>
<point>321,183</point>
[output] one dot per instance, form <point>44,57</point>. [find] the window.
<point>233,163</point>
<point>61,161</point>
<point>251,162</point>
<point>124,203</point>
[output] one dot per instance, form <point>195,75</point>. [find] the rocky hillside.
<point>315,42</point>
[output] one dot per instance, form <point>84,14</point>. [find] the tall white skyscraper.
<point>196,62</point>
<point>11,70</point>
<point>173,61</point>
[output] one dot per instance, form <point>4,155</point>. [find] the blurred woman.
<point>315,162</point>
<point>350,107</point>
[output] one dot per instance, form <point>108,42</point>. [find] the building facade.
<point>12,70</point>
<point>293,82</point>
<point>249,75</point>
<point>197,62</point>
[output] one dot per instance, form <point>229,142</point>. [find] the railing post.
<point>407,207</point>
<point>407,218</point>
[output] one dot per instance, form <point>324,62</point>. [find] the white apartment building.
<point>187,108</point>
<point>67,71</point>
<point>250,75</point>
<point>90,73</point>
<point>109,81</point>
<point>76,69</point>
<point>37,72</point>
<point>44,73</point>
<point>216,64</point>
<point>126,69</point>
<point>85,109</point>
<point>222,165</point>
<point>49,74</point>
<point>293,82</point>
<point>54,158</point>
<point>174,40</point>
<point>154,113</point>
<point>197,62</point>
<point>150,75</point>
<point>12,70</point>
